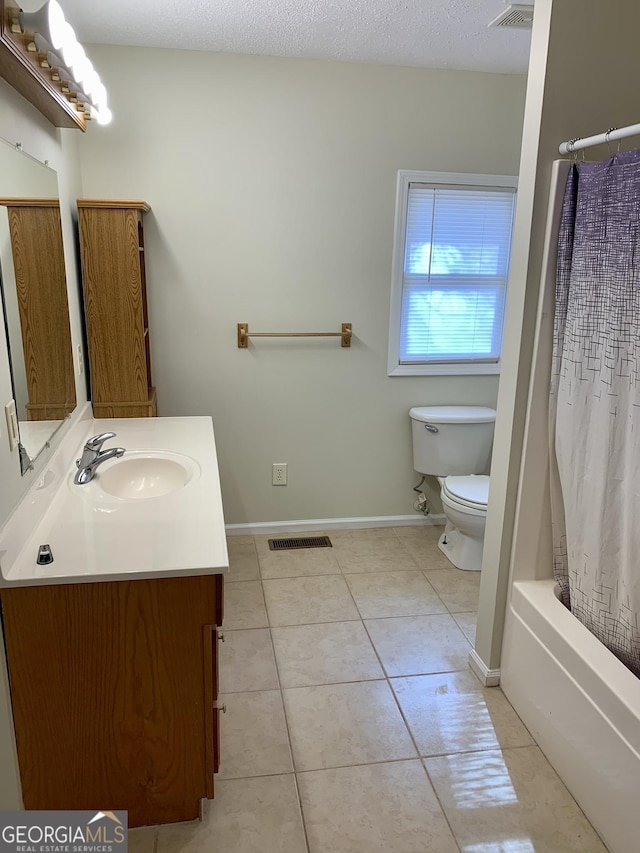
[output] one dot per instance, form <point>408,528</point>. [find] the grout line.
<point>249,692</point>
<point>408,616</point>
<point>307,624</point>
<point>404,616</point>
<point>457,752</point>
<point>439,801</point>
<point>284,710</point>
<point>381,677</point>
<point>385,571</point>
<point>359,764</point>
<point>413,740</point>
<point>327,622</point>
<point>322,574</point>
<point>301,810</point>
<point>257,776</point>
<point>286,722</point>
<point>239,580</point>
<point>369,618</point>
<point>343,573</point>
<point>245,628</point>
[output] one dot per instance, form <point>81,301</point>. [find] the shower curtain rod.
<point>611,135</point>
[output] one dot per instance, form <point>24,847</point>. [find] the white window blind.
<point>456,263</point>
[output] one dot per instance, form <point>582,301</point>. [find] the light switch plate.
<point>12,424</point>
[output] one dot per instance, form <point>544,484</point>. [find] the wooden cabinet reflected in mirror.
<point>34,296</point>
<point>41,287</point>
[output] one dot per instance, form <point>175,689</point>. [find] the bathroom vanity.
<point>114,688</point>
<point>113,646</point>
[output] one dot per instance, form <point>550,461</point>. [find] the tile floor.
<point>354,724</point>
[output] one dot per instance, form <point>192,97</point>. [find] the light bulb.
<point>69,46</point>
<point>88,75</point>
<point>56,22</point>
<point>48,21</point>
<point>41,43</point>
<point>103,115</point>
<point>80,64</point>
<point>98,93</point>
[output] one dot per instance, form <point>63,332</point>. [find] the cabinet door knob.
<point>221,636</point>
<point>220,706</point>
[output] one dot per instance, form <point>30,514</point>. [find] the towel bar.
<point>244,335</point>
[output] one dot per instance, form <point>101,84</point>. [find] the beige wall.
<point>272,187</point>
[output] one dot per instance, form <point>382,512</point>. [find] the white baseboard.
<point>312,524</point>
<point>487,677</point>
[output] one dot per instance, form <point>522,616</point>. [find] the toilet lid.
<point>471,490</point>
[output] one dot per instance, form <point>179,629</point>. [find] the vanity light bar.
<point>48,34</point>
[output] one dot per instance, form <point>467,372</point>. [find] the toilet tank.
<point>451,439</point>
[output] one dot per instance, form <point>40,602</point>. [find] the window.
<point>450,270</point>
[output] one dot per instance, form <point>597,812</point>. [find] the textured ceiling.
<point>424,33</point>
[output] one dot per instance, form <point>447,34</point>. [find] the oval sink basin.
<point>145,476</point>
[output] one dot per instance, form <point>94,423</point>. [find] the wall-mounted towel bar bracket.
<point>244,335</point>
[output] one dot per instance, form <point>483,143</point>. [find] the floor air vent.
<point>300,542</point>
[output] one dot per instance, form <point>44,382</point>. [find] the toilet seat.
<point>470,491</point>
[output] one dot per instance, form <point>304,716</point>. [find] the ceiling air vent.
<point>518,15</point>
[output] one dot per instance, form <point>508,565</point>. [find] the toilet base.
<point>465,552</point>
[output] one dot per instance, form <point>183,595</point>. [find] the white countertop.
<point>98,537</point>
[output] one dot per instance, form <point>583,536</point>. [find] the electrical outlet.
<point>279,474</point>
<point>12,424</point>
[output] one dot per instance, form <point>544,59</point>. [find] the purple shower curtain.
<point>595,403</point>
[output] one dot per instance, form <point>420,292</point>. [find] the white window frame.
<point>406,177</point>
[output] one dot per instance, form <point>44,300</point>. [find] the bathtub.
<point>580,704</point>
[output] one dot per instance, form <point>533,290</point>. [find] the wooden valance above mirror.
<point>23,70</point>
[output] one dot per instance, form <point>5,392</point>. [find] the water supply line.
<point>421,504</point>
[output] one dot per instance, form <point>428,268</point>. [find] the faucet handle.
<point>97,441</point>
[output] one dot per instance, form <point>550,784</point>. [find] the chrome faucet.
<point>93,455</point>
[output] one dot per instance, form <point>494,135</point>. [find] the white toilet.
<point>453,443</point>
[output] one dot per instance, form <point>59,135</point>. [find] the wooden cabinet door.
<point>212,711</point>
<point>107,694</point>
<point>115,293</point>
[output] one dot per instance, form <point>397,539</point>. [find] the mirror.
<point>34,296</point>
